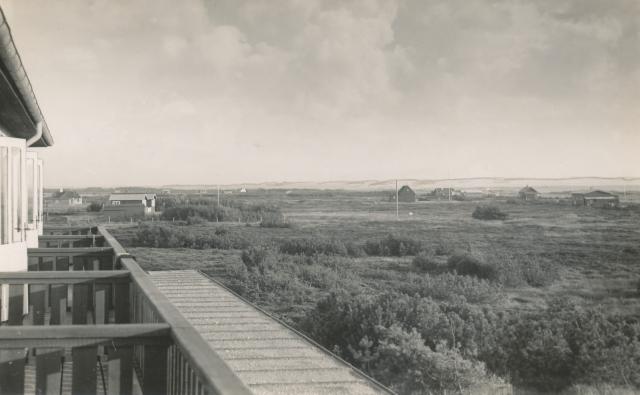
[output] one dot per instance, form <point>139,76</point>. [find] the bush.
<point>94,207</point>
<point>314,246</point>
<point>254,257</point>
<point>161,236</point>
<point>451,287</point>
<point>427,263</point>
<point>394,245</point>
<point>210,211</point>
<point>488,213</point>
<point>467,265</point>
<point>274,220</point>
<point>406,364</point>
<point>195,220</point>
<point>567,345</point>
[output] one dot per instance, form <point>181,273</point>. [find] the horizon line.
<point>433,180</point>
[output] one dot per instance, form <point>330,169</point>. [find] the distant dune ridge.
<point>499,183</point>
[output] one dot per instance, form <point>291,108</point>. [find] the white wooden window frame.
<point>33,199</point>
<point>12,223</point>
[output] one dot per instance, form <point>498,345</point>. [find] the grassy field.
<point>554,304</point>
<point>597,251</point>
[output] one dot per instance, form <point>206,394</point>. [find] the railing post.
<point>48,370</point>
<point>12,363</point>
<point>16,301</point>
<point>84,370</point>
<point>154,371</point>
<point>37,298</point>
<point>120,370</point>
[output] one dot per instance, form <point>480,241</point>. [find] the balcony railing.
<point>97,324</point>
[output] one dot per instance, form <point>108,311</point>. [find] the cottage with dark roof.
<point>528,193</point>
<point>595,199</point>
<point>405,195</point>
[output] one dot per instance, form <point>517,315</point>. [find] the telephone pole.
<point>397,202</point>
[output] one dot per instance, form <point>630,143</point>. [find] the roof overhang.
<point>19,109</point>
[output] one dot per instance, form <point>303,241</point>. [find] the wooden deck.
<point>267,356</point>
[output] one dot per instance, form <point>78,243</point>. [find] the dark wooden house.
<point>405,195</point>
<point>595,199</point>
<point>528,193</point>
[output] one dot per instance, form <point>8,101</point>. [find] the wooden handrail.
<point>211,369</point>
<point>77,251</point>
<point>83,335</point>
<point>61,228</point>
<point>64,277</point>
<point>69,237</point>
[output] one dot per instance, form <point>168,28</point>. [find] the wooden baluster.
<point>183,375</point>
<point>154,372</point>
<point>101,305</point>
<point>58,297</point>
<point>16,301</point>
<point>48,370</point>
<point>193,385</point>
<point>80,309</point>
<point>12,363</point>
<point>172,365</point>
<point>84,360</point>
<point>121,302</point>
<point>120,370</point>
<point>38,299</point>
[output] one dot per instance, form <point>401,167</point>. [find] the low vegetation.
<point>436,302</point>
<point>488,213</point>
<point>164,236</point>
<point>94,207</point>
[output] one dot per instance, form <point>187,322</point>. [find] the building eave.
<point>19,109</point>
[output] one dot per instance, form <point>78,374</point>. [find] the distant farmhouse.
<point>405,195</point>
<point>528,193</point>
<point>64,198</point>
<point>130,204</point>
<point>595,199</point>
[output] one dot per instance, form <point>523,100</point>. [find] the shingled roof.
<point>528,189</point>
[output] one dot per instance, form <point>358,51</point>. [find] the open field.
<point>551,282</point>
<point>597,251</point>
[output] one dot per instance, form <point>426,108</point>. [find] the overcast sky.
<point>151,92</point>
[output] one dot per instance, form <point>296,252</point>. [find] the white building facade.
<point>22,128</point>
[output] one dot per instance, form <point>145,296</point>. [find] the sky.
<point>156,92</point>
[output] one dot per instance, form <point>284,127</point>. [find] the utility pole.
<point>397,202</point>
<point>218,194</point>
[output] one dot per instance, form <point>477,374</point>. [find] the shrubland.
<point>440,303</point>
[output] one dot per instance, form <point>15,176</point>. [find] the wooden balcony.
<point>96,323</point>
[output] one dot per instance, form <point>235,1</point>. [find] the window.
<point>16,178</point>
<point>31,189</point>
<point>4,196</point>
<point>39,193</point>
<point>13,205</point>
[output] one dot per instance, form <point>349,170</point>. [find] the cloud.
<point>321,82</point>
